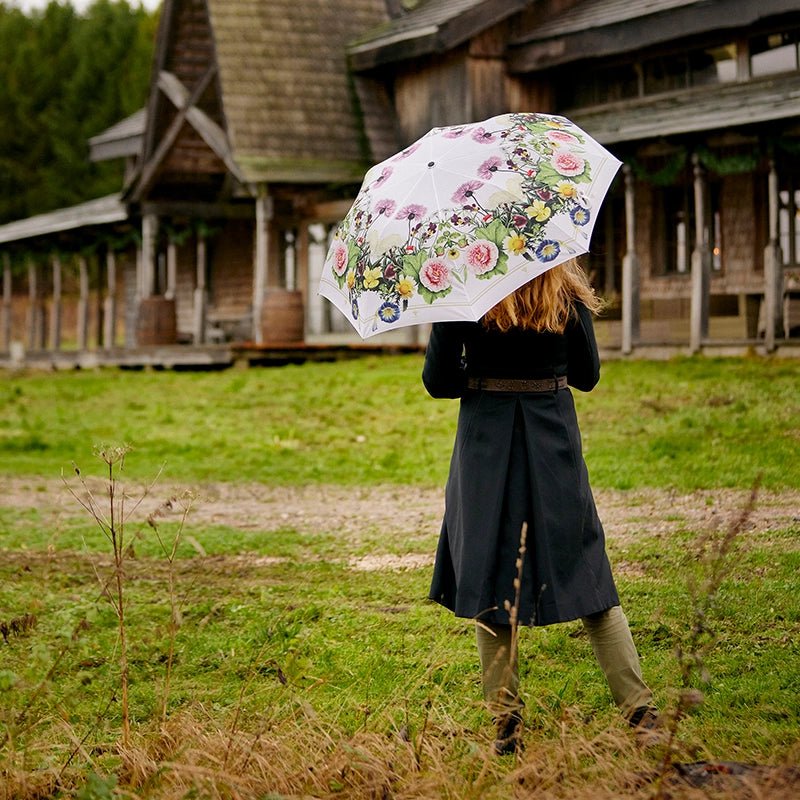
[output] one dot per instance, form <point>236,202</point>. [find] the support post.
<point>200,296</point>
<point>35,311</point>
<point>264,213</point>
<point>701,263</point>
<point>773,267</point>
<point>631,315</point>
<point>110,303</point>
<point>172,270</point>
<point>7,295</point>
<point>147,265</point>
<point>83,304</point>
<point>55,310</point>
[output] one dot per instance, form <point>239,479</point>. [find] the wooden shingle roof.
<point>433,26</point>
<point>291,112</point>
<point>702,109</point>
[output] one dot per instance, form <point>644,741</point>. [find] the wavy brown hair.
<point>546,302</point>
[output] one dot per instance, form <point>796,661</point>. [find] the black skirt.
<point>517,459</point>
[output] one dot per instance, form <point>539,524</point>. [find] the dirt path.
<point>411,513</point>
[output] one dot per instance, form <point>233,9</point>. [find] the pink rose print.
<point>567,163</point>
<point>562,137</point>
<point>435,275</point>
<point>340,258</point>
<point>481,256</point>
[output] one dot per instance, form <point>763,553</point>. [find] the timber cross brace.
<point>185,103</point>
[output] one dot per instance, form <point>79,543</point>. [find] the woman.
<point>517,459</point>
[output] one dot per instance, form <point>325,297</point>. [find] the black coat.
<point>517,457</point>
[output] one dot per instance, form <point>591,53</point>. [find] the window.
<point>713,65</point>
<point>772,53</point>
<point>678,226</point>
<point>666,74</point>
<point>789,223</point>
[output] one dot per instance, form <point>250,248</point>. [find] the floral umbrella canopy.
<point>450,226</point>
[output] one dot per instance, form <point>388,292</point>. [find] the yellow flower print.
<point>567,190</point>
<point>371,277</point>
<point>514,244</point>
<point>351,279</point>
<point>538,211</point>
<point>453,253</point>
<point>406,287</point>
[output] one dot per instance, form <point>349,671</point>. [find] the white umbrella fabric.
<point>463,217</point>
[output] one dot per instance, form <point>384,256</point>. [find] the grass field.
<point>287,649</point>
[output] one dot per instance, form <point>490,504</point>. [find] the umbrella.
<point>463,217</point>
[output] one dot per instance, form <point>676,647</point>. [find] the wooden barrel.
<point>156,323</point>
<point>283,317</point>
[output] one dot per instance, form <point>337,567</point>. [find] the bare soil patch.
<point>404,514</point>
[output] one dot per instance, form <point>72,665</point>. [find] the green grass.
<point>687,423</point>
<point>345,682</point>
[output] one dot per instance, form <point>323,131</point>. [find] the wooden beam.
<point>183,100</point>
<point>773,266</point>
<point>110,303</point>
<point>55,309</point>
<point>631,314</point>
<point>7,295</point>
<point>701,263</point>
<point>264,213</point>
<point>200,311</point>
<point>35,311</point>
<point>83,304</point>
<point>172,270</point>
<point>147,264</point>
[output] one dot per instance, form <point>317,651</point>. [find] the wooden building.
<point>264,115</point>
<point>700,241</point>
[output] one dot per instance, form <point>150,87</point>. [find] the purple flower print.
<point>455,133</point>
<point>483,136</point>
<point>580,215</point>
<point>407,152</point>
<point>489,167</point>
<point>465,192</point>
<point>389,272</point>
<point>385,207</point>
<point>386,173</point>
<point>411,211</point>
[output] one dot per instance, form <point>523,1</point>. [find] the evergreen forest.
<point>66,76</point>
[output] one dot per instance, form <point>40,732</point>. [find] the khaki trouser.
<point>613,647</point>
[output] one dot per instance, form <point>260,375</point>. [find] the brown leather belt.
<point>517,384</point>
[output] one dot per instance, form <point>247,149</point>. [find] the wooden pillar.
<point>35,310</point>
<point>773,266</point>
<point>7,294</point>
<point>611,253</point>
<point>264,212</point>
<point>55,309</point>
<point>701,263</point>
<point>110,302</point>
<point>172,270</point>
<point>83,304</point>
<point>631,315</point>
<point>200,294</point>
<point>147,264</point>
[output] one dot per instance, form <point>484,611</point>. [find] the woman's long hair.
<point>546,302</point>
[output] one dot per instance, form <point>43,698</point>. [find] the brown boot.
<point>509,733</point>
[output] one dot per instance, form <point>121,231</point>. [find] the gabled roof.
<point>596,28</point>
<point>124,138</point>
<point>433,26</point>
<point>289,105</point>
<point>102,211</point>
<point>723,106</point>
